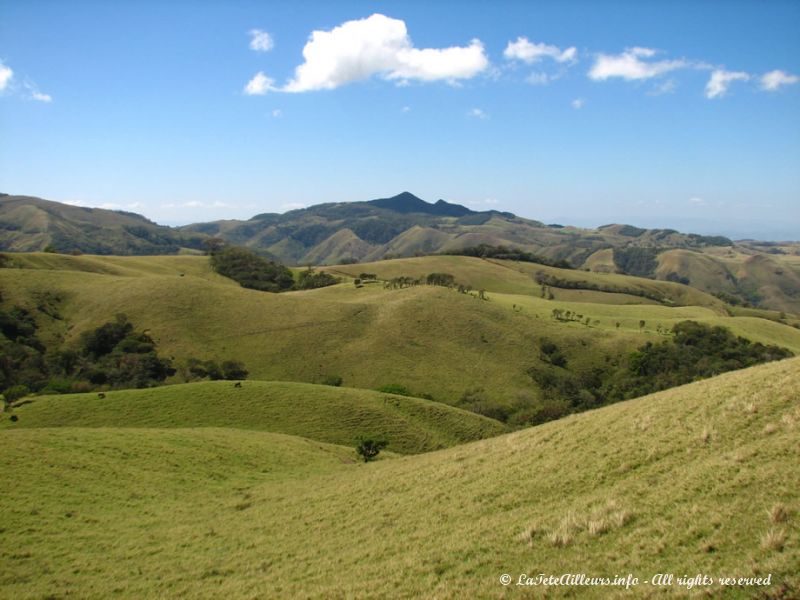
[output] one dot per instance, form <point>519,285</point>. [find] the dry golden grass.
<point>98,513</point>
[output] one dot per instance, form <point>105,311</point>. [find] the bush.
<point>16,392</point>
<point>369,448</point>
<point>394,388</point>
<point>308,279</point>
<point>332,380</point>
<point>234,369</point>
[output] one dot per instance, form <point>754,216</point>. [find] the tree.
<point>234,369</point>
<point>641,324</point>
<point>369,448</point>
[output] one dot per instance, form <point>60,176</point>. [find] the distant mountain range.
<point>405,225</point>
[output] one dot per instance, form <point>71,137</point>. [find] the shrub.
<point>308,279</point>
<point>333,380</point>
<point>16,392</point>
<point>369,448</point>
<point>234,369</point>
<point>394,388</point>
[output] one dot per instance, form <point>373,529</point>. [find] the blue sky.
<point>672,114</point>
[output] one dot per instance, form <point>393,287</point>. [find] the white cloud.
<point>261,41</point>
<point>540,78</point>
<point>292,206</point>
<point>630,66</point>
<point>259,85</point>
<point>697,201</point>
<point>490,201</point>
<point>218,204</point>
<point>406,109</point>
<point>773,80</point>
<point>477,113</point>
<point>717,85</point>
<point>529,52</point>
<point>5,76</point>
<point>277,113</point>
<point>192,204</point>
<point>665,87</point>
<point>578,103</point>
<point>41,97</point>
<point>377,45</point>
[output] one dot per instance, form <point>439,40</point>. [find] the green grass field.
<point>432,340</point>
<point>317,412</point>
<point>697,479</point>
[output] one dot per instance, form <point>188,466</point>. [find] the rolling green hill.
<point>760,274</point>
<point>432,340</point>
<point>32,224</point>
<point>698,479</point>
<point>322,413</point>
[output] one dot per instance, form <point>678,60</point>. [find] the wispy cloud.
<point>477,113</point>
<point>578,103</point>
<point>26,88</point>
<point>720,80</point>
<point>259,85</point>
<point>529,52</point>
<point>292,206</point>
<point>261,41</point>
<point>5,76</point>
<point>405,109</point>
<point>774,80</point>
<point>631,65</point>
<point>541,78</point>
<point>276,113</point>
<point>665,87</point>
<point>377,45</point>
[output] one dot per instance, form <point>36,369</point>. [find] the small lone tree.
<point>368,448</point>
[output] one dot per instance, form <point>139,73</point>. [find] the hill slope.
<point>432,340</point>
<point>323,413</point>
<point>762,274</point>
<point>32,224</point>
<point>698,479</point>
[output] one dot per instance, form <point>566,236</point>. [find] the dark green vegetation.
<point>757,274</point>
<point>112,355</point>
<point>368,448</point>
<point>250,270</point>
<point>505,253</point>
<point>695,351</point>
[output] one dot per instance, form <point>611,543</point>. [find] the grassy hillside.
<point>698,479</point>
<point>323,413</point>
<point>31,224</point>
<point>506,276</point>
<point>430,339</point>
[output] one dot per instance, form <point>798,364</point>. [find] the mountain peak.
<point>406,202</point>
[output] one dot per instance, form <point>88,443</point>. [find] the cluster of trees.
<point>210,369</point>
<point>637,260</point>
<point>250,270</point>
<point>560,314</point>
<point>441,279</point>
<point>113,355</point>
<point>310,279</point>
<point>694,351</point>
<point>22,354</point>
<point>258,273</point>
<point>546,279</point>
<point>506,253</point>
